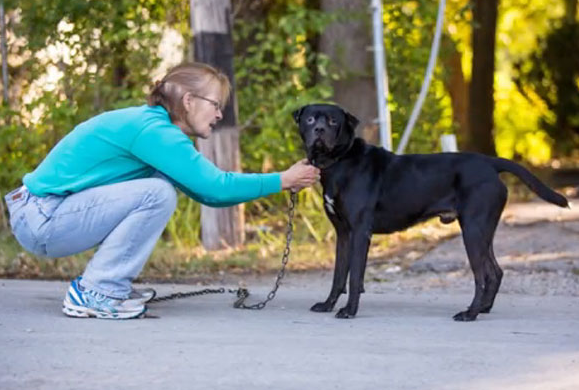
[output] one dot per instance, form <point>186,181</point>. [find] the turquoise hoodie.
<point>133,143</point>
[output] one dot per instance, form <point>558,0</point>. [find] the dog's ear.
<point>351,120</point>
<point>297,114</point>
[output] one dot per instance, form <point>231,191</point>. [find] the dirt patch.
<point>536,244</point>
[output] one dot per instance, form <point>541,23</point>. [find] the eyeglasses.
<point>215,103</point>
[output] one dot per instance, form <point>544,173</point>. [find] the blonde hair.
<point>195,78</point>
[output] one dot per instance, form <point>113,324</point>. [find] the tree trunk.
<point>570,11</point>
<point>347,44</point>
<point>457,88</point>
<point>481,99</point>
<point>213,45</point>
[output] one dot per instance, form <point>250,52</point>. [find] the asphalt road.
<point>400,340</point>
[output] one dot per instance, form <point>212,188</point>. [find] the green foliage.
<point>103,50</point>
<point>551,73</point>
<point>409,30</point>
<point>81,57</point>
<point>183,229</point>
<point>524,123</point>
<point>112,50</point>
<point>277,71</point>
<point>19,149</point>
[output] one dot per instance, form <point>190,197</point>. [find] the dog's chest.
<point>331,199</point>
<point>329,204</point>
<point>331,195</point>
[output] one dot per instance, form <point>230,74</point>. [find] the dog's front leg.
<point>340,274</point>
<point>359,244</point>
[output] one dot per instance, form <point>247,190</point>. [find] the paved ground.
<point>403,337</point>
<point>400,340</point>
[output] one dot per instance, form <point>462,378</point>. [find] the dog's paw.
<point>465,316</point>
<point>486,310</point>
<point>345,312</point>
<point>322,307</point>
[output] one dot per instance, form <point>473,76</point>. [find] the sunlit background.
<point>71,59</point>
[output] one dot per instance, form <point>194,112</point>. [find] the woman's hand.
<point>299,175</point>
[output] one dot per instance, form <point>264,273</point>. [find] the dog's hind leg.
<point>494,273</point>
<point>362,289</point>
<point>478,219</point>
<point>476,251</point>
<point>341,269</point>
<point>493,278</point>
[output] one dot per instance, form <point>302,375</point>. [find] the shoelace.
<point>98,296</point>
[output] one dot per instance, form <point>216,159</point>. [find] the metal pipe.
<point>427,78</point>
<point>381,76</point>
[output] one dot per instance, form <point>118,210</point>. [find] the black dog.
<point>370,190</point>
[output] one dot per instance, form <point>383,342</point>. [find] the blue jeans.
<point>126,219</point>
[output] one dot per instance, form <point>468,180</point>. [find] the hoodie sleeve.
<point>163,146</point>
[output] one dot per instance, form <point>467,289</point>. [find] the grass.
<point>16,263</point>
<point>170,262</point>
<point>179,255</point>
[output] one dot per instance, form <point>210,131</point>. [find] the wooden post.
<point>213,44</point>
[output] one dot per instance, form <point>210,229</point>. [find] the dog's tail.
<point>536,185</point>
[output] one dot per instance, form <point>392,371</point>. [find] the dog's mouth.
<point>318,153</point>
<point>319,144</point>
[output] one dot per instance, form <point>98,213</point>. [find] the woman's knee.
<point>164,194</point>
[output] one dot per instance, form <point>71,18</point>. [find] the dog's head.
<point>326,130</point>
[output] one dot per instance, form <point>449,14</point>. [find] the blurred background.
<point>506,83</point>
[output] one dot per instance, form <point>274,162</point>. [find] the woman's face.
<point>203,112</point>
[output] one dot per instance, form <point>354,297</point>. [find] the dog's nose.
<point>319,130</point>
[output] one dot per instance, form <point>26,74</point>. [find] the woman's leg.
<point>126,219</point>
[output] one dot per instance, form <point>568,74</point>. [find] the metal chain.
<point>239,304</point>
<point>243,293</point>
<point>191,294</point>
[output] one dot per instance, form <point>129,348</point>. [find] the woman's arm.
<point>167,149</point>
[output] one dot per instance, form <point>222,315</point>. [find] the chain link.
<point>243,293</point>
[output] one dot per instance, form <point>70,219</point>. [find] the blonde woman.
<point>111,183</point>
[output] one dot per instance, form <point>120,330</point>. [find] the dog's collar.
<point>333,160</point>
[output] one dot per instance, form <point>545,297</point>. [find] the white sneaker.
<point>82,303</point>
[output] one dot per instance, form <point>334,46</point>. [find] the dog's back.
<point>416,187</point>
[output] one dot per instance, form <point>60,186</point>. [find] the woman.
<point>110,182</point>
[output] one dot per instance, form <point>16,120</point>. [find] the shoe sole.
<point>72,310</point>
<point>144,299</point>
<point>147,300</point>
<point>152,297</point>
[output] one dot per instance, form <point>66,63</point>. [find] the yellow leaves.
<point>522,22</point>
<point>300,38</point>
<point>452,28</point>
<point>414,38</point>
<point>298,59</point>
<point>517,124</point>
<point>521,115</point>
<point>536,147</point>
<point>296,81</point>
<point>409,7</point>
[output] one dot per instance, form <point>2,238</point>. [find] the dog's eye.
<point>310,120</point>
<point>332,122</point>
